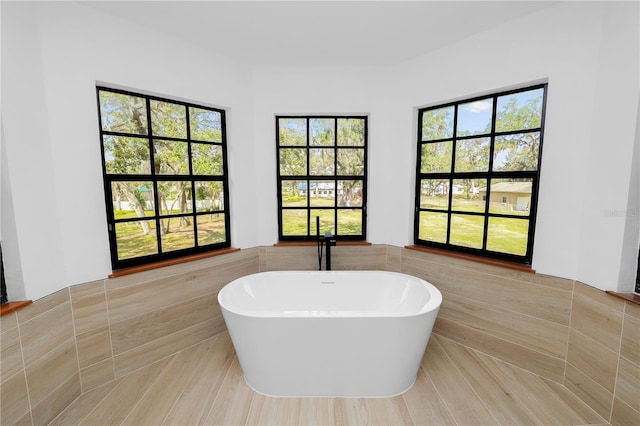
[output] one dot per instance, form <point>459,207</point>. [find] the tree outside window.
<point>165,174</point>
<point>321,176</point>
<point>477,173</point>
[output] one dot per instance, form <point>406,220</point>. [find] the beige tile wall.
<point>559,329</point>
<point>79,338</point>
<point>86,335</point>
<point>39,361</point>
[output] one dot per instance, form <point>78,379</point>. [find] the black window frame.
<point>311,220</point>
<point>155,178</point>
<point>490,174</point>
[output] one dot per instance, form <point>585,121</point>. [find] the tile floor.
<point>204,385</point>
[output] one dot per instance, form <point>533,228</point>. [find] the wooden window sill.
<point>629,297</point>
<point>176,261</point>
<point>9,307</point>
<point>314,243</point>
<point>479,259</point>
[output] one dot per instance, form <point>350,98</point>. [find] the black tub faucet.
<point>326,240</point>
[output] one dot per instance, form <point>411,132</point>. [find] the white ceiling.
<point>330,33</point>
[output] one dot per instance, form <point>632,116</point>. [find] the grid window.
<point>322,176</point>
<point>165,175</point>
<point>478,168</point>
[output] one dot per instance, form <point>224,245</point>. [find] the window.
<point>478,167</point>
<point>322,174</point>
<point>165,176</point>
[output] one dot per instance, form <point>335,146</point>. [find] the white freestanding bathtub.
<point>330,333</point>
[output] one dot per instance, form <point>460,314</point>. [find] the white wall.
<point>53,53</point>
<point>589,54</point>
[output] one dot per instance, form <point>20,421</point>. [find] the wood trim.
<point>629,297</point>
<point>9,307</point>
<point>162,264</point>
<point>314,243</point>
<point>470,257</point>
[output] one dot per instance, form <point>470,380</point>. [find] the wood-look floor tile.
<point>463,402</point>
<point>623,415</point>
<point>425,404</point>
<point>167,388</point>
<point>47,409</point>
<point>127,393</point>
<point>507,408</point>
<point>233,401</point>
<point>537,362</point>
<point>288,411</point>
<point>534,393</point>
<point>194,403</point>
<point>84,404</point>
<point>587,415</point>
<point>371,411</point>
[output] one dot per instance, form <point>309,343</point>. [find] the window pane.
<point>517,152</point>
<point>322,131</point>
<point>125,155</point>
<point>433,227</point>
<point>327,221</point>
<point>174,197</point>
<point>434,194</point>
<point>519,111</point>
<point>436,157</point>
<point>293,161</point>
<point>350,193</point>
<point>437,124</point>
<point>472,155</point>
<point>474,118</point>
<point>506,235</point>
<point>350,162</point>
<point>205,125</point>
<point>209,196</point>
<point>136,239</point>
<point>211,229</point>
<point>177,233</point>
<point>322,193</point>
<point>321,161</point>
<point>132,199</point>
<point>168,119</point>
<point>350,222</point>
<point>466,195</point>
<point>292,131</point>
<point>294,193</point>
<point>170,158</point>
<point>351,131</point>
<point>509,197</point>
<point>294,222</point>
<point>466,230</point>
<point>123,113</point>
<point>206,159</point>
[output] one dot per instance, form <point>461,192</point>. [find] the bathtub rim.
<point>434,303</point>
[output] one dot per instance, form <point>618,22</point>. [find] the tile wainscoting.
<point>81,337</point>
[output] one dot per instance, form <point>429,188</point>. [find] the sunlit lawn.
<point>505,235</point>
<point>132,242</point>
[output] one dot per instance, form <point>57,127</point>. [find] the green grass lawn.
<point>504,235</point>
<point>133,242</point>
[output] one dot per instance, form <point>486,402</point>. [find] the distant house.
<point>322,189</point>
<point>515,196</point>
